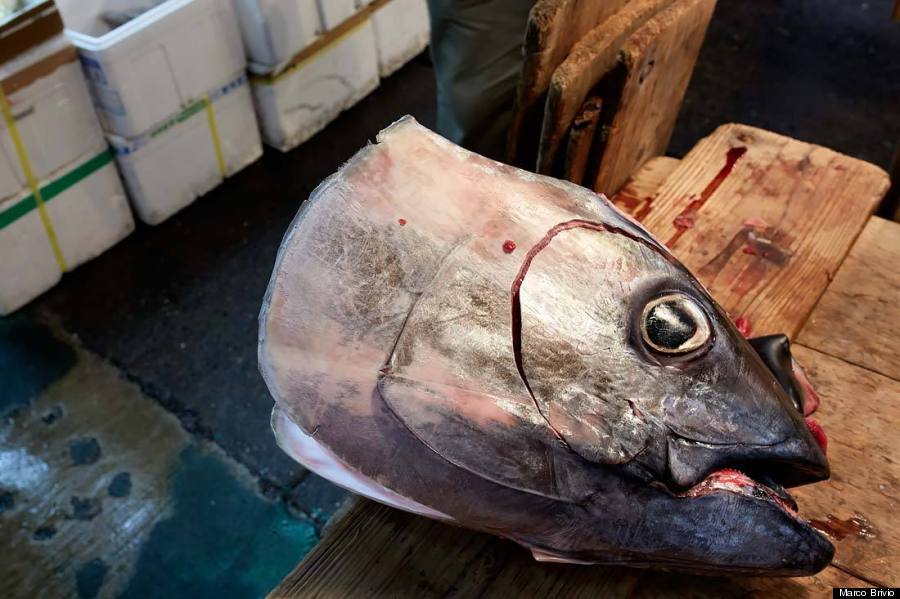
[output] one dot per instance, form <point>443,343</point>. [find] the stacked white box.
<point>87,208</point>
<point>189,153</point>
<point>298,102</point>
<point>335,12</point>
<point>151,67</point>
<point>79,192</point>
<point>275,30</point>
<point>402,30</point>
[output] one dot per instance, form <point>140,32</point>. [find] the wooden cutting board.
<point>858,318</point>
<point>590,60</point>
<point>554,26</point>
<point>658,61</point>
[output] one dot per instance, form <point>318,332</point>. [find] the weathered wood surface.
<point>554,26</point>
<point>591,59</point>
<point>858,506</point>
<point>636,195</point>
<point>764,220</point>
<point>378,551</point>
<point>658,62</point>
<point>858,317</point>
<point>581,138</point>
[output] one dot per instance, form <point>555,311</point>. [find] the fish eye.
<point>674,324</point>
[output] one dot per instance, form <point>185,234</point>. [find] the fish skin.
<point>395,347</point>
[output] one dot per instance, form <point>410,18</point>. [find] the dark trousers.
<point>476,48</point>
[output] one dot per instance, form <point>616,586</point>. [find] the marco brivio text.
<point>883,592</point>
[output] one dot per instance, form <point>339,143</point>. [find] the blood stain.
<point>401,221</point>
<point>841,529</point>
<point>509,246</point>
<point>731,158</point>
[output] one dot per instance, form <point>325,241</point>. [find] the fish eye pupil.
<point>670,326</point>
<point>674,324</point>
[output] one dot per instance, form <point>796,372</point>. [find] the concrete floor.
<point>135,452</point>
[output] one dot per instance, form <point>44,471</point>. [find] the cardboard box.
<point>275,30</point>
<point>402,30</point>
<point>317,85</point>
<point>155,64</point>
<point>86,207</point>
<point>189,153</point>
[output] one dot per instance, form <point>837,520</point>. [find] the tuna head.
<point>514,354</point>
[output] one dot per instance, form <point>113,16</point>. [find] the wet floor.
<point>135,452</point>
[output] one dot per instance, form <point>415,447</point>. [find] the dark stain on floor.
<point>84,451</point>
<point>30,359</point>
<point>120,485</point>
<point>89,578</point>
<point>220,540</point>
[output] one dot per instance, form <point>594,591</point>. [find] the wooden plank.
<point>592,59</point>
<point>764,220</point>
<point>581,138</point>
<point>858,317</point>
<point>860,413</point>
<point>658,62</point>
<point>554,26</point>
<point>636,196</point>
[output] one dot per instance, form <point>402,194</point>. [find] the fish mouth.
<point>731,480</point>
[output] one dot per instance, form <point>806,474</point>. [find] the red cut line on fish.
<point>520,277</point>
<point>688,217</point>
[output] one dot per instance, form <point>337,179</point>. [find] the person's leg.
<point>476,48</point>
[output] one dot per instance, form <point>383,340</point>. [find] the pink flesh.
<point>734,481</point>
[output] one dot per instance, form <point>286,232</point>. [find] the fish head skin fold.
<point>512,352</point>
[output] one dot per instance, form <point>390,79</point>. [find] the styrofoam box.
<point>157,63</point>
<point>275,30</point>
<point>89,216</point>
<point>402,30</point>
<point>298,103</point>
<point>54,116</point>
<point>335,12</point>
<point>175,163</point>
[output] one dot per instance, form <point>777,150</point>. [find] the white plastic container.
<point>177,161</point>
<point>300,101</point>
<point>88,212</point>
<point>402,30</point>
<point>335,12</point>
<point>275,30</point>
<point>156,64</point>
<point>54,117</point>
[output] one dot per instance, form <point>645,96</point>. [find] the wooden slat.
<point>581,138</point>
<point>658,61</point>
<point>378,551</point>
<point>637,194</point>
<point>860,413</point>
<point>592,59</point>
<point>764,220</point>
<point>554,26</point>
<point>858,318</point>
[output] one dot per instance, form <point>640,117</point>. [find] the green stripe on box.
<point>54,188</point>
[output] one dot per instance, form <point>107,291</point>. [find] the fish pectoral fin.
<point>503,439</point>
